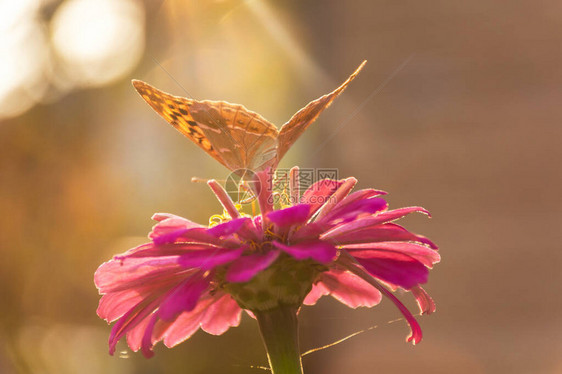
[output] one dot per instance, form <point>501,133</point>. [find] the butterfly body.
<point>235,136</point>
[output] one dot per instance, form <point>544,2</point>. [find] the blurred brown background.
<point>458,110</point>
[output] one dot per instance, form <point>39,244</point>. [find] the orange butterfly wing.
<point>256,138</point>
<point>231,134</point>
<point>293,129</point>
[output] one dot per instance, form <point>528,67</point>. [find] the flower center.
<point>286,282</point>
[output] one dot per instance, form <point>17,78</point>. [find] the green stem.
<point>279,331</point>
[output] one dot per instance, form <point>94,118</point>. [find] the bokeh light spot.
<point>24,58</point>
<point>98,41</point>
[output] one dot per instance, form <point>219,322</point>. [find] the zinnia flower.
<point>328,242</point>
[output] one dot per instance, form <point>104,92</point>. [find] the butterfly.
<point>233,135</point>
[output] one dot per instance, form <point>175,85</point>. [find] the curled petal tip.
<point>351,180</point>
<point>147,353</point>
<point>415,333</point>
<point>158,217</point>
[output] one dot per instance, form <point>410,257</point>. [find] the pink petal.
<point>184,297</point>
<point>425,302</point>
<point>258,222</point>
<point>361,195</point>
<point>377,220</point>
<point>345,287</point>
<point>395,268</point>
<point>246,267</point>
<point>308,232</point>
<point>221,315</point>
<point>252,315</point>
<point>395,214</point>
<point>126,283</point>
<point>169,236</point>
<point>135,334</point>
<point>251,230</point>
<point>147,342</point>
<point>422,253</point>
<point>347,212</point>
<point>162,216</point>
<point>264,188</point>
<point>388,232</point>
<point>327,217</point>
<point>294,185</point>
<point>294,215</point>
<point>154,282</point>
<point>193,235</point>
<point>318,290</point>
<point>209,258</point>
<point>217,313</point>
<point>185,325</point>
<point>114,305</point>
<point>203,235</point>
<point>223,198</point>
<point>229,227</point>
<point>117,275</point>
<point>336,197</point>
<point>163,250</point>
<point>131,319</point>
<point>319,251</point>
<point>415,330</point>
<point>319,193</point>
<point>169,227</point>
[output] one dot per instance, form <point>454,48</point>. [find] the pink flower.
<point>329,242</point>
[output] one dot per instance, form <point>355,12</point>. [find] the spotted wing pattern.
<point>230,133</point>
<point>291,130</point>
